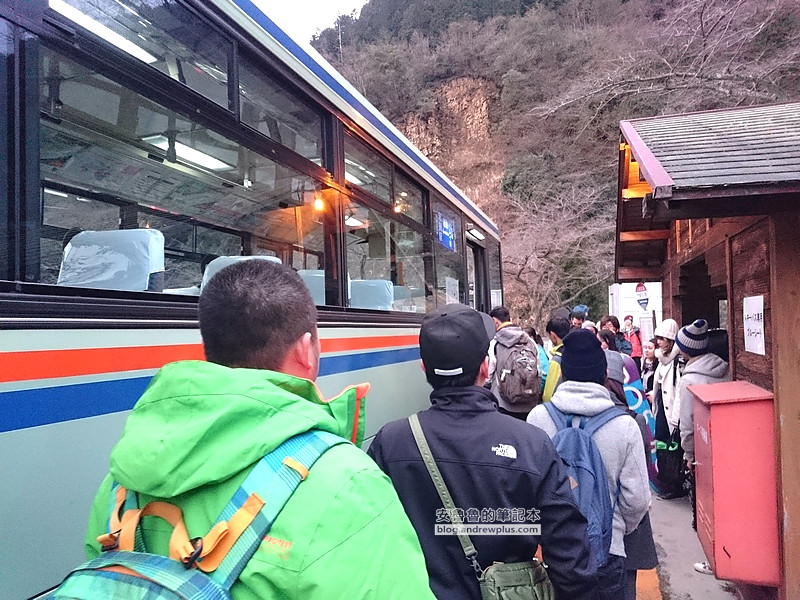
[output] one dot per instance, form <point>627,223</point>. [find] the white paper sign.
<point>497,298</point>
<point>754,324</point>
<point>451,290</point>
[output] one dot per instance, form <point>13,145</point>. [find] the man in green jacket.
<point>200,427</point>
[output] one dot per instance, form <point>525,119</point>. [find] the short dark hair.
<point>251,313</point>
<point>558,326</point>
<point>610,319</point>
<point>533,334</point>
<point>609,338</point>
<point>500,313</point>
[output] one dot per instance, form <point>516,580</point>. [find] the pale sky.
<point>301,19</point>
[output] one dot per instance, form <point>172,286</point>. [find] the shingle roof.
<point>753,145</point>
<point>724,163</point>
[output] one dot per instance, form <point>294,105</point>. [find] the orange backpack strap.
<point>239,530</point>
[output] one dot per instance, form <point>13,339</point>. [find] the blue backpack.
<point>198,568</point>
<point>587,474</point>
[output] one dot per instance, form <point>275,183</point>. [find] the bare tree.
<point>703,54</point>
<point>555,249</point>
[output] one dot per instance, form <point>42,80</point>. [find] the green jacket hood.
<point>199,423</point>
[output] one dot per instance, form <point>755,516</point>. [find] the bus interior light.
<point>100,30</point>
<point>352,178</point>
<point>476,234</point>
<point>188,154</point>
<point>351,221</point>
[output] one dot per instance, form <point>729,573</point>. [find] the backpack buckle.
<point>109,541</point>
<point>190,562</point>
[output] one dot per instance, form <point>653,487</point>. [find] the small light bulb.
<point>318,204</point>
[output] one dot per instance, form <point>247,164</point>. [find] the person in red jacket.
<point>632,334</point>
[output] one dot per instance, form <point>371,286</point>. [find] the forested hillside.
<point>519,101</point>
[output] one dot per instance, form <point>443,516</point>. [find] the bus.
<point>144,143</point>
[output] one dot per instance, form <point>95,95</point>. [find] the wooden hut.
<point>709,204</point>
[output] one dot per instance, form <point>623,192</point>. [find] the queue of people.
<point>442,505</point>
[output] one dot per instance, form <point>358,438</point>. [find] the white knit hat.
<point>668,328</point>
<point>693,339</point>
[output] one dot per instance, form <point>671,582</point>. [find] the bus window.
<point>449,254</point>
<point>367,169</point>
<point>267,107</point>
<point>165,35</point>
<point>385,262</point>
<point>113,159</point>
<point>7,119</point>
<point>408,198</point>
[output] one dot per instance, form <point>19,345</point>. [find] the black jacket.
<point>488,461</point>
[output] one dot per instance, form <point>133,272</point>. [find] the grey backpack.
<point>517,371</point>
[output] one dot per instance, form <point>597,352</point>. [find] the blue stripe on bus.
<point>330,365</point>
<point>44,406</point>
<point>297,51</point>
<point>47,405</point>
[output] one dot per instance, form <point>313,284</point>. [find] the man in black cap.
<point>619,442</point>
<point>499,471</point>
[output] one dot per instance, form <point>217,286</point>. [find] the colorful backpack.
<point>587,474</point>
<point>197,568</point>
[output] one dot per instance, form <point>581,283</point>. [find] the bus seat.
<point>119,259</point>
<point>315,282</point>
<point>223,261</point>
<point>192,290</point>
<point>371,293</point>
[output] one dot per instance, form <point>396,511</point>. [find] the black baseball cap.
<point>454,339</point>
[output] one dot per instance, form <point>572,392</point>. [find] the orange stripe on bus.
<point>52,364</point>
<point>367,343</point>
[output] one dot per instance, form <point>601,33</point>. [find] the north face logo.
<point>505,450</point>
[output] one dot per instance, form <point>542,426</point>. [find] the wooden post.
<point>785,290</point>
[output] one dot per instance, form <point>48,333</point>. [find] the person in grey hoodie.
<point>702,367</point>
<point>583,366</point>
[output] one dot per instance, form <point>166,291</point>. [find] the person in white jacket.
<point>702,367</point>
<point>666,378</point>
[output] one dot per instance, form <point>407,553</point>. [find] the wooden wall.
<point>750,276</point>
<point>754,256</point>
<point>785,322</point>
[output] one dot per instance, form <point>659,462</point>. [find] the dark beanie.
<point>582,357</point>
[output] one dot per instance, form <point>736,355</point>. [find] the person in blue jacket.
<point>498,470</point>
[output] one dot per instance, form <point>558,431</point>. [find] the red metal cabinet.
<point>737,504</point>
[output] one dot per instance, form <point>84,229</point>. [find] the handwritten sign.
<point>754,324</point>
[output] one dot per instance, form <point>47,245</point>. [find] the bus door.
<point>477,287</point>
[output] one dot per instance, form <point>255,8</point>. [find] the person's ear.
<point>302,357</point>
<point>422,366</point>
<point>484,370</point>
